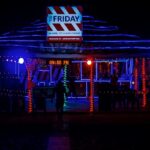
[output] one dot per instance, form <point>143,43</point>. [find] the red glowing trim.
<point>144,82</point>
<point>91,90</point>
<point>29,68</point>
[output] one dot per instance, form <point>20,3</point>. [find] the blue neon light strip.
<point>86,21</point>
<point>111,35</point>
<point>43,25</point>
<point>92,26</point>
<point>103,60</point>
<point>82,48</point>
<point>40,23</point>
<point>79,97</point>
<point>89,29</point>
<point>22,40</point>
<point>99,21</point>
<point>23,31</point>
<point>88,17</point>
<point>84,35</point>
<point>35,27</point>
<point>118,41</point>
<point>101,27</point>
<point>6,33</point>
<point>86,41</point>
<point>36,21</point>
<point>98,29</point>
<point>37,24</point>
<point>94,21</point>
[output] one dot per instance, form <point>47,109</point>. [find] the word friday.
<point>65,19</point>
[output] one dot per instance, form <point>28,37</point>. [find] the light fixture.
<point>89,62</point>
<point>20,60</point>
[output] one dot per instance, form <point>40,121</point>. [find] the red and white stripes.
<point>64,21</point>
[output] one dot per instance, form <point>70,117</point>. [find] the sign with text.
<point>58,62</point>
<point>64,24</point>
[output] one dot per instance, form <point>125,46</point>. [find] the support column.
<point>127,68</point>
<point>136,75</point>
<point>91,88</point>
<point>65,82</point>
<point>143,83</point>
<point>29,91</point>
<point>96,70</point>
<point>111,68</point>
<point>131,73</point>
<point>29,66</point>
<point>81,70</point>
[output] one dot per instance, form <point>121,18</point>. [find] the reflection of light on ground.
<point>72,105</point>
<point>59,142</point>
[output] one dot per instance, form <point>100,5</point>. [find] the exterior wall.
<point>133,73</point>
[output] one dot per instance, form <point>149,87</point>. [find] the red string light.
<point>143,82</point>
<point>91,88</point>
<point>29,68</point>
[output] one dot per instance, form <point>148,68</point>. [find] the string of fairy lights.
<point>8,92</point>
<point>65,81</point>
<point>11,59</point>
<point>7,75</point>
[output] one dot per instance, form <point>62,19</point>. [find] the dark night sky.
<point>131,17</point>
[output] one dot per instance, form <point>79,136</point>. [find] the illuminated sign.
<point>58,62</point>
<point>64,24</point>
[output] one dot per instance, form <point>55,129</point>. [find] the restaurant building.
<point>31,63</point>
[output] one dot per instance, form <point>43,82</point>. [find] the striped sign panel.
<point>64,24</point>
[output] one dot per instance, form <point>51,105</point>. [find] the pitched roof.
<point>98,37</point>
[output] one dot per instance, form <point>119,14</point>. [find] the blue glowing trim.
<point>42,70</point>
<point>88,17</point>
<point>89,29</point>
<point>22,40</point>
<point>111,35</point>
<point>107,27</point>
<point>111,28</point>
<point>98,29</point>
<point>120,48</point>
<point>95,21</point>
<point>40,23</point>
<point>36,27</point>
<point>86,21</point>
<point>113,60</point>
<point>16,36</point>
<point>82,48</point>
<point>92,26</point>
<point>30,31</point>
<point>117,41</point>
<point>79,97</point>
<point>85,35</point>
<point>38,20</point>
<point>87,41</point>
<point>6,33</point>
<point>101,27</point>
